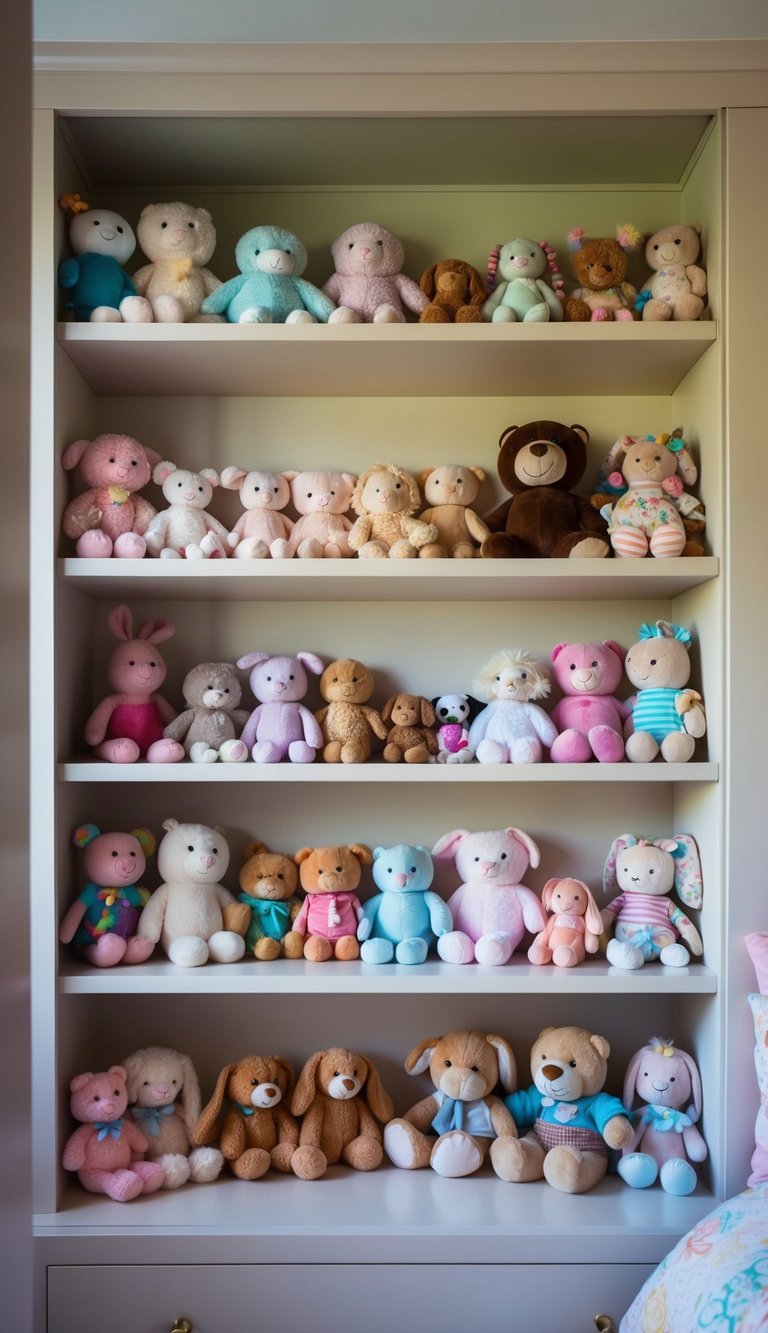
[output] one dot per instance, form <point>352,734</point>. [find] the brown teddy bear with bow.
<point>456,293</point>
<point>410,737</point>
<point>268,882</point>
<point>340,1096</point>
<point>257,1131</point>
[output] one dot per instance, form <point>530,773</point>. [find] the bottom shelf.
<point>389,1216</point>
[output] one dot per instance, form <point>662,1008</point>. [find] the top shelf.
<point>300,360</point>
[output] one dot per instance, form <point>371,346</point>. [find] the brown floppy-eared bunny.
<point>456,292</point>
<point>257,1131</point>
<point>340,1097</point>
<point>410,737</point>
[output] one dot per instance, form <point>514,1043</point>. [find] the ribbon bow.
<point>108,1129</point>
<point>149,1117</point>
<point>272,917</point>
<point>450,1116</point>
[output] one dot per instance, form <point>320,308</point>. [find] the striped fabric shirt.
<point>654,711</point>
<point>643,909</point>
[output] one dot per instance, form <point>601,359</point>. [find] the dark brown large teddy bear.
<point>539,463</point>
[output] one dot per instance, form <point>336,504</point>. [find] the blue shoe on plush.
<point>678,1177</point>
<point>377,951</point>
<point>638,1170</point>
<point>411,951</point>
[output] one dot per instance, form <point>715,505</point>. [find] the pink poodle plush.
<point>368,285</point>
<point>184,531</point>
<point>281,727</point>
<point>106,1150</point>
<point>129,724</point>
<point>103,920</point>
<point>322,499</point>
<point>262,530</point>
<point>574,927</point>
<point>491,909</point>
<point>590,720</point>
<point>109,518</point>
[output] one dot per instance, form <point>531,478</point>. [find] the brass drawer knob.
<point>604,1323</point>
<point>181,1326</point>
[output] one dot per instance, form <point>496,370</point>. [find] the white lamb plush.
<point>192,914</point>
<point>184,530</point>
<point>512,729</point>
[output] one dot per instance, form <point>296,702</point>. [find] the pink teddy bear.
<point>105,1150</point>
<point>109,518</point>
<point>368,285</point>
<point>280,726</point>
<point>590,719</point>
<point>262,530</point>
<point>491,910</point>
<point>131,722</point>
<point>103,919</point>
<point>322,500</point>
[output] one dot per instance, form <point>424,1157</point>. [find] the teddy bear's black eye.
<point>163,224</point>
<point>215,851</point>
<point>589,266</point>
<point>380,243</point>
<point>256,488</point>
<point>120,230</point>
<point>146,1082</point>
<point>671,1078</point>
<point>133,854</point>
<point>354,680</point>
<point>116,1092</point>
<point>637,460</point>
<point>190,848</point>
<point>413,870</point>
<point>152,664</point>
<point>280,875</point>
<point>275,489</point>
<point>498,677</point>
<point>447,1063</point>
<point>191,225</point>
<point>351,246</point>
<point>389,870</point>
<point>309,495</point>
<point>287,252</point>
<point>523,675</point>
<point>337,1073</point>
<point>132,662</point>
<point>179,484</point>
<point>657,458</point>
<point>573,666</point>
<point>291,677</point>
<point>200,489</point>
<point>257,252</point>
<point>477,858</point>
<point>173,1081</point>
<point>532,254</point>
<point>134,462</point>
<point>269,677</point>
<point>226,689</point>
<point>209,687</point>
<point>338,869</point>
<point>503,856</point>
<point>573,1064</point>
<point>607,268</point>
<point>111,460</point>
<point>678,241</point>
<point>114,853</point>
<point>653,661</point>
<point>96,223</point>
<point>335,680</point>
<point>595,663</point>
<point>398,485</point>
<point>254,1083</point>
<point>651,872</point>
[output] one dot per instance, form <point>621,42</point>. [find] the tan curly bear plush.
<point>178,240</point>
<point>268,882</point>
<point>347,722</point>
<point>385,497</point>
<point>449,491</point>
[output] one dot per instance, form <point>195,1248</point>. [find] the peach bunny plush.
<point>164,1101</point>
<point>258,1131</point>
<point>574,927</point>
<point>368,285</point>
<point>103,919</point>
<point>105,1150</point>
<point>109,518</point>
<point>184,531</point>
<point>385,498</point>
<point>462,1111</point>
<point>331,911</point>
<point>322,500</point>
<point>449,491</point>
<point>340,1098</point>
<point>263,530</point>
<point>129,724</point>
<point>491,910</point>
<point>281,727</point>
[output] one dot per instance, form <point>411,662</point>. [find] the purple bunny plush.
<point>281,726</point>
<point>666,1139</point>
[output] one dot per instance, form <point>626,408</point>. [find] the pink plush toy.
<point>281,726</point>
<point>109,518</point>
<point>574,928</point>
<point>262,530</point>
<point>666,1139</point>
<point>105,1150</point>
<point>491,909</point>
<point>184,530</point>
<point>322,499</point>
<point>368,285</point>
<point>590,720</point>
<point>103,920</point>
<point>129,724</point>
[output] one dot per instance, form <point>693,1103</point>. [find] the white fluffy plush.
<point>184,530</point>
<point>511,729</point>
<point>187,912</point>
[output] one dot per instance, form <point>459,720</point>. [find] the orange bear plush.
<point>331,911</point>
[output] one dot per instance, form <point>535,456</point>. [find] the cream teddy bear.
<point>178,240</point>
<point>677,287</point>
<point>164,1101</point>
<point>449,491</point>
<point>321,500</point>
<point>385,498</point>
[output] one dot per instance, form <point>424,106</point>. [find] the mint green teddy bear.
<point>521,293</point>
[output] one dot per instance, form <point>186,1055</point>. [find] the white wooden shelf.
<point>90,770</point>
<point>285,977</point>
<point>298,360</point>
<point>408,1216</point>
<point>391,580</point>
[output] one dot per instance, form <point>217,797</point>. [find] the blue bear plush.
<point>404,920</point>
<point>269,289</point>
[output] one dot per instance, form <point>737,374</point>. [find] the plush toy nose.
<point>348,1084</point>
<point>162,1091</point>
<point>125,865</point>
<point>107,234</point>
<point>365,249</point>
<point>324,500</point>
<point>660,1087</point>
<point>188,495</point>
<point>487,865</point>
<point>401,881</point>
<point>667,253</point>
<point>206,862</point>
<point>538,449</point>
<point>279,686</point>
<point>107,1106</point>
<point>520,261</point>
<point>551,1072</point>
<point>270,1092</point>
<point>179,233</point>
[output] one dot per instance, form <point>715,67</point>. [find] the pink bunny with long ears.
<point>128,725</point>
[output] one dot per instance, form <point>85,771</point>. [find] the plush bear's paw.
<point>300,317</point>
<point>256,314</point>
<point>205,1165</point>
<point>456,947</point>
<point>309,1163</point>
<point>377,951</point>
<point>678,1177</point>
<point>343,315</point>
<point>638,1170</point>
<point>675,955</point>
<point>493,950</point>
<point>411,952</point>
<point>626,956</point>
<point>188,951</point>
<point>455,1154</point>
<point>177,1170</point>
<point>201,753</point>
<point>641,748</point>
<point>401,1143</point>
<point>226,947</point>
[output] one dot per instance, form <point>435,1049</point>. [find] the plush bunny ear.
<point>312,662</point>
<point>204,1131</point>
<point>73,453</point>
<point>146,840</point>
<point>630,1078</point>
<point>379,1101</point>
<point>427,281</point>
<point>427,712</point>
<point>190,1100</point>
<point>693,1070</point>
<point>232,478</point>
<point>449,844</point>
<point>547,891</point>
<point>85,833</point>
<point>534,855</point>
<point>386,712</point>
<point>507,1064</point>
<point>251,660</point>
<point>688,879</point>
<point>592,918</point>
<point>419,1058</point>
<point>610,883</point>
<point>305,1087</point>
<point>120,622</point>
<point>156,631</point>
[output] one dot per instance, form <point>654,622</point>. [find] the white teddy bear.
<point>512,729</point>
<point>178,240</point>
<point>184,530</point>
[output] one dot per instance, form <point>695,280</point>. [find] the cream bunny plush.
<point>184,530</point>
<point>263,530</point>
<point>646,923</point>
<point>164,1101</point>
<point>385,498</point>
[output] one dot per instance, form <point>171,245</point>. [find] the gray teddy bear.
<point>211,723</point>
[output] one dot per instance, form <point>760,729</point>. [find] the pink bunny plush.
<point>105,1150</point>
<point>368,285</point>
<point>322,500</point>
<point>109,518</point>
<point>103,919</point>
<point>574,928</point>
<point>184,530</point>
<point>281,727</point>
<point>666,1140</point>
<point>590,720</point>
<point>129,723</point>
<point>262,530</point>
<point>491,909</point>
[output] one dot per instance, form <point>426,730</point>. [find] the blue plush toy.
<point>402,921</point>
<point>95,281</point>
<point>269,289</point>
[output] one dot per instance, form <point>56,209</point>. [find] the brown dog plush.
<point>456,293</point>
<point>347,723</point>
<point>268,881</point>
<point>409,738</point>
<point>340,1097</point>
<point>331,911</point>
<point>462,1112</point>
<point>257,1131</point>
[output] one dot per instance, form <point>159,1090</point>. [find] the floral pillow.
<point>757,946</point>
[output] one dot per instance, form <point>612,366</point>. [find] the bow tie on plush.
<point>108,1129</point>
<point>273,917</point>
<point>450,1116</point>
<point>665,1119</point>
<point>149,1117</point>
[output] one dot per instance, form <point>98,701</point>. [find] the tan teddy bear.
<point>340,1097</point>
<point>410,737</point>
<point>268,881</point>
<point>571,1122</point>
<point>331,911</point>
<point>347,722</point>
<point>449,491</point>
<point>178,240</point>
<point>257,1131</point>
<point>385,497</point>
<point>462,1111</point>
